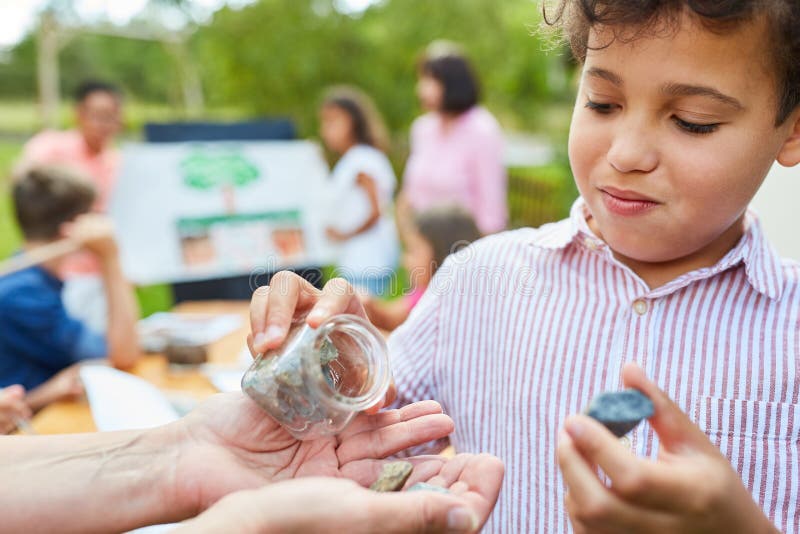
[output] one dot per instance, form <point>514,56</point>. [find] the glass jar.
<point>320,378</point>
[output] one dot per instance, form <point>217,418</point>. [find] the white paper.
<point>228,378</point>
<point>122,401</point>
<point>157,330</point>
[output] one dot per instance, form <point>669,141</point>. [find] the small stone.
<point>424,486</point>
<point>288,372</point>
<point>327,352</point>
<point>392,477</point>
<point>620,411</point>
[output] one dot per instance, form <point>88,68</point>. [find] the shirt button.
<point>626,441</point>
<point>591,244</point>
<point>640,306</point>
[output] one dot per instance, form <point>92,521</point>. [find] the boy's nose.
<point>632,150</point>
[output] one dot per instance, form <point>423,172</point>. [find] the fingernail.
<point>318,314</point>
<point>273,333</point>
<point>461,520</point>
<point>259,340</point>
<point>574,428</point>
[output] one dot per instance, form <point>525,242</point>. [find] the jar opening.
<point>348,362</point>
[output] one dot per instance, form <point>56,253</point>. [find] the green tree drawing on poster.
<point>228,171</point>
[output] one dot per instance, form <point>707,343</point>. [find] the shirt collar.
<point>762,263</point>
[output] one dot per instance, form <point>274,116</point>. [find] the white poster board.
<point>194,211</point>
<point>777,206</point>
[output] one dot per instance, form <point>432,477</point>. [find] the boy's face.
<point>672,136</point>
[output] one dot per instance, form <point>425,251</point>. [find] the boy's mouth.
<point>622,202</point>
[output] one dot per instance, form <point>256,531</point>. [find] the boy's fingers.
<point>288,294</point>
<point>600,447</point>
<point>676,431</point>
<point>258,313</point>
<point>632,479</point>
<point>581,481</point>
<point>337,297</point>
<point>589,502</point>
<point>630,520</point>
<point>14,392</point>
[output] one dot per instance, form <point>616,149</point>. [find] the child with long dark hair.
<point>363,188</point>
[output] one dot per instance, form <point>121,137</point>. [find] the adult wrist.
<point>174,504</point>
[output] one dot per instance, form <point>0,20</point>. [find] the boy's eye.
<point>598,107</point>
<point>694,128</point>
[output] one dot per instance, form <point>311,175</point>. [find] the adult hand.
<point>335,505</point>
<point>691,488</point>
<point>229,444</point>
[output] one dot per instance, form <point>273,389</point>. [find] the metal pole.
<point>47,69</point>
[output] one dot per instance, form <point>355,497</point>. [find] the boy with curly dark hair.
<point>661,275</point>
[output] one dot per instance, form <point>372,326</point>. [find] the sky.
<point>18,16</point>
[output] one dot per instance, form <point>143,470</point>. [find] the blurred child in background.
<point>433,235</point>
<point>39,341</point>
<point>363,184</point>
<point>88,150</point>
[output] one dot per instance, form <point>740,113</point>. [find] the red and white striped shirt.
<point>523,328</point>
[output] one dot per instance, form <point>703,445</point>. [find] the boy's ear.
<point>789,156</point>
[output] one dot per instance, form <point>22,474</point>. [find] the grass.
<point>9,235</point>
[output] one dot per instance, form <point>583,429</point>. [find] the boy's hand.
<point>289,297</point>
<point>94,232</point>
<point>691,488</point>
<point>12,408</point>
<point>66,385</point>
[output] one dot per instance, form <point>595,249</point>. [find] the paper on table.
<point>121,401</point>
<point>227,378</point>
<point>157,330</point>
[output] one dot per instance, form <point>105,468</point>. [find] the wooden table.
<point>75,416</point>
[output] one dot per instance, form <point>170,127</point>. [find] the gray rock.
<point>620,411</point>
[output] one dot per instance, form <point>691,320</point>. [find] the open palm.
<point>230,444</point>
<point>305,504</point>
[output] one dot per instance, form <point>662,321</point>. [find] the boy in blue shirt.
<point>38,339</point>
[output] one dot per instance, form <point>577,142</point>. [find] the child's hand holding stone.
<point>691,488</point>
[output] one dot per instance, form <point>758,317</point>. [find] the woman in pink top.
<point>457,147</point>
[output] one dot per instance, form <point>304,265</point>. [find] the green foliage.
<point>290,50</point>
<point>144,69</point>
<point>275,57</point>
<point>9,234</point>
<point>539,195</point>
<point>206,170</point>
<point>154,299</point>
